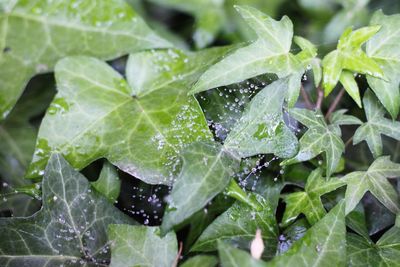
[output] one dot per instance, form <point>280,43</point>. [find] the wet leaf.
<point>70,229</point>
<point>133,245</point>
<point>232,257</point>
<point>375,126</point>
<point>375,181</point>
<point>36,34</point>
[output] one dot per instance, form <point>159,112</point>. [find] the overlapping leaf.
<point>201,261</point>
<point>319,138</point>
<point>238,226</point>
<point>233,257</point>
<point>384,48</point>
<point>373,180</point>
<point>261,129</point>
<point>206,171</point>
<point>94,114</point>
<point>308,202</point>
<point>270,53</point>
<point>70,229</point>
<point>133,245</point>
<point>385,253</point>
<point>35,34</point>
<point>375,126</point>
<point>108,183</point>
<point>347,58</point>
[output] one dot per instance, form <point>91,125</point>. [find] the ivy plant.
<point>249,135</point>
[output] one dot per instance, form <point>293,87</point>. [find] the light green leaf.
<point>268,54</point>
<point>319,138</point>
<point>323,244</point>
<point>261,129</point>
<point>384,48</point>
<point>350,85</point>
<point>206,171</point>
<point>308,202</point>
<point>133,245</point>
<point>340,118</point>
<point>108,183</point>
<point>142,135</point>
<point>375,126</point>
<point>349,56</point>
<point>233,257</point>
<point>385,253</point>
<point>238,226</point>
<point>35,34</point>
<point>70,228</point>
<point>201,261</point>
<point>373,180</point>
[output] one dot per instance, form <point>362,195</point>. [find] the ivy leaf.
<point>108,183</point>
<point>386,252</point>
<point>133,245</point>
<point>201,261</point>
<point>349,56</point>
<point>323,244</point>
<point>36,34</point>
<point>261,129</point>
<point>376,125</point>
<point>340,118</point>
<point>308,202</point>
<point>206,171</point>
<point>384,48</point>
<point>233,257</point>
<point>373,180</point>
<point>268,54</point>
<point>142,135</point>
<point>238,226</point>
<point>319,138</point>
<point>69,229</point>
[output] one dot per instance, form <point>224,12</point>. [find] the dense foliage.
<point>199,133</point>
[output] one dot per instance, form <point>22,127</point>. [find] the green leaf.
<point>261,129</point>
<point>291,234</point>
<point>70,228</point>
<point>376,125</point>
<point>319,138</point>
<point>373,180</point>
<point>133,245</point>
<point>340,118</point>
<point>308,202</point>
<point>108,183</point>
<point>36,34</point>
<point>323,244</point>
<point>349,56</point>
<point>385,253</point>
<point>238,226</point>
<point>233,257</point>
<point>141,135</point>
<point>384,48</point>
<point>201,261</point>
<point>268,54</point>
<point>356,221</point>
<point>206,171</point>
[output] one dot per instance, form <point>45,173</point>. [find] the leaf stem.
<point>335,103</point>
<point>320,94</point>
<point>233,190</point>
<point>175,264</point>
<point>306,98</point>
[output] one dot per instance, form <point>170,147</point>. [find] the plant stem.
<point>175,264</point>
<point>348,142</point>
<point>306,98</point>
<point>320,93</point>
<point>334,103</point>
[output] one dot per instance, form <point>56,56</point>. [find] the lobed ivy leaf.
<point>206,171</point>
<point>270,53</point>
<point>347,58</point>
<point>201,261</point>
<point>385,253</point>
<point>261,129</point>
<point>108,183</point>
<point>319,138</point>
<point>36,34</point>
<point>70,229</point>
<point>142,134</point>
<point>375,126</point>
<point>234,257</point>
<point>133,245</point>
<point>373,180</point>
<point>384,49</point>
<point>308,202</point>
<point>238,226</point>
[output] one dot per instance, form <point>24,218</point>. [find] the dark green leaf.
<point>108,183</point>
